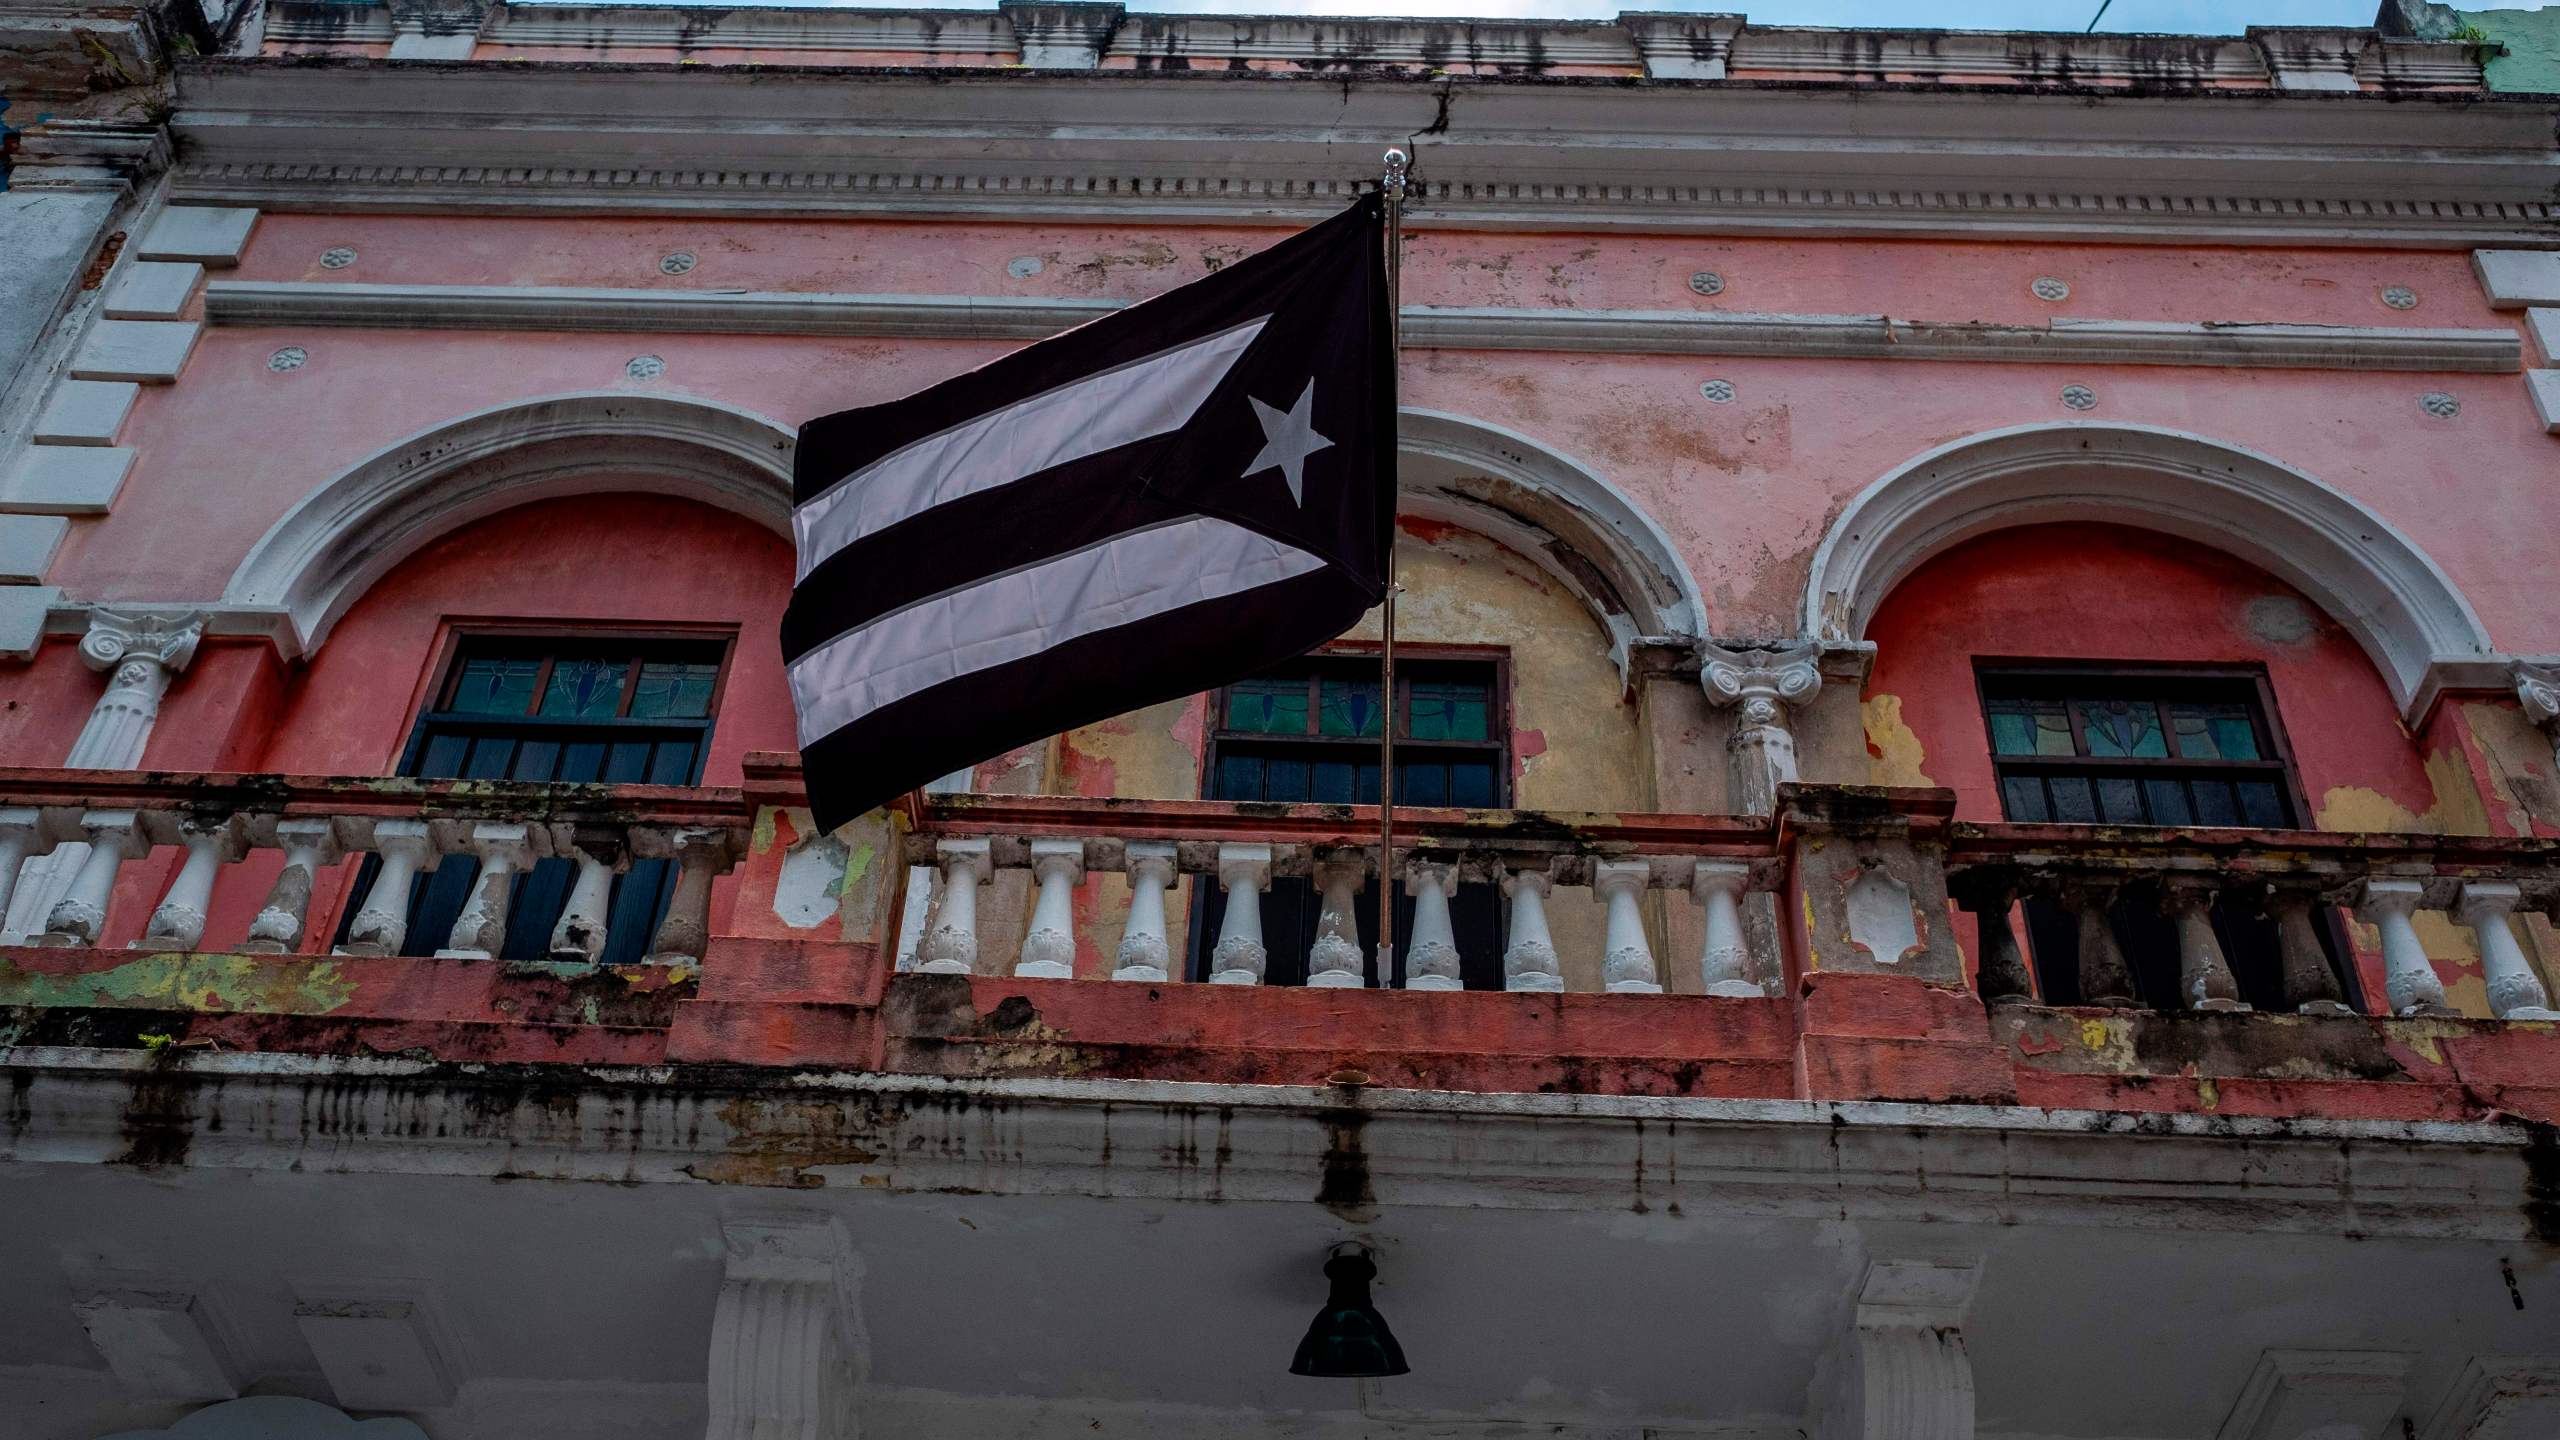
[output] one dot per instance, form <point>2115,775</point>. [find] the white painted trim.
<point>349,532</point>
<point>1654,332</point>
<point>1563,505</point>
<point>2377,583</point>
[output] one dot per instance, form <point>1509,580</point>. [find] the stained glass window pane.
<point>2073,804</point>
<point>585,689</point>
<point>1349,707</point>
<point>2122,728</point>
<point>2022,797</point>
<point>1470,784</point>
<point>2053,731</point>
<point>492,686</point>
<point>1285,779</point>
<point>2261,805</point>
<point>1268,707</point>
<point>1239,777</point>
<point>2168,802</point>
<point>1443,710</point>
<point>2120,800</point>
<point>2013,731</point>
<point>1422,784</point>
<point>672,689</point>
<point>2233,735</point>
<point>2214,805</point>
<point>1332,782</point>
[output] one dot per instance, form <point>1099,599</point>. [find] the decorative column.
<point>1530,962</point>
<point>480,931</point>
<point>951,946</point>
<point>701,855</point>
<point>80,916</point>
<point>1626,964</point>
<point>1759,685</point>
<point>2105,979</point>
<point>308,846</point>
<point>22,834</point>
<point>2205,981</point>
<point>1988,893</point>
<point>1049,950</point>
<point>1431,961</point>
<point>1145,952</point>
<point>1334,961</point>
<point>139,651</point>
<point>1244,871</point>
<point>580,935</point>
<point>2310,984</point>
<point>1724,963</point>
<point>2408,976</point>
<point>178,923</point>
<point>2515,992</point>
<point>381,926</point>
<point>2538,691</point>
<point>1901,1371</point>
<point>788,1349</point>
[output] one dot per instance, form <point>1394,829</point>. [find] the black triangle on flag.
<point>1177,495</point>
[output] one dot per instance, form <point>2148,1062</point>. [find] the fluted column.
<point>1724,962</point>
<point>178,922</point>
<point>2515,992</point>
<point>480,931</point>
<point>951,946</point>
<point>1431,962</point>
<point>2409,978</point>
<point>1146,952</point>
<point>139,651</point>
<point>1334,960</point>
<point>1049,949</point>
<point>1530,961</point>
<point>1626,961</point>
<point>22,838</point>
<point>1238,958</point>
<point>787,1351</point>
<point>2205,981</point>
<point>381,925</point>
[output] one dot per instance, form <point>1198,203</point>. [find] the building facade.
<point>1977,676</point>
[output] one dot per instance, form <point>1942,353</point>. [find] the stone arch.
<point>2377,583</point>
<point>1509,488</point>
<point>329,548</point>
<point>333,545</point>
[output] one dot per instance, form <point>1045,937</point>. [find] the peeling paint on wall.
<point>1894,754</point>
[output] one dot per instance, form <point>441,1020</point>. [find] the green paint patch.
<point>254,984</point>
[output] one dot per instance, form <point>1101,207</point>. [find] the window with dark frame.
<point>568,709</point>
<point>2179,746</point>
<point>1309,732</point>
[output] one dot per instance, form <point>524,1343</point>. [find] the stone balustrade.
<point>1713,863</point>
<point>2287,884</point>
<point>219,822</point>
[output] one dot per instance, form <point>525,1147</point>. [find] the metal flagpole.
<point>1392,187</point>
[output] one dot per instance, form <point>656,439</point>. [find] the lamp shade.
<point>1349,1339</point>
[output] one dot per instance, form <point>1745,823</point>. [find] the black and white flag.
<point>1174,496</point>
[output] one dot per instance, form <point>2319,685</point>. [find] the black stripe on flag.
<point>1172,497</point>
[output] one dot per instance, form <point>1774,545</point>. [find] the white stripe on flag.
<point>1017,615</point>
<point>1084,417</point>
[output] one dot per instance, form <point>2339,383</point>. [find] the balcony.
<point>1860,945</point>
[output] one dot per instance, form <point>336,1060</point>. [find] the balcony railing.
<point>94,823</point>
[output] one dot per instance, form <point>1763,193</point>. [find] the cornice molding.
<point>1655,332</point>
<point>1501,152</point>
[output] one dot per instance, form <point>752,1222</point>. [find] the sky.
<point>2182,17</point>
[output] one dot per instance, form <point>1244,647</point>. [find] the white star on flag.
<point>1288,438</point>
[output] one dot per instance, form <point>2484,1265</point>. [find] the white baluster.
<point>1334,961</point>
<point>1724,962</point>
<point>1049,951</point>
<point>1529,962</point>
<point>178,922</point>
<point>951,946</point>
<point>1431,961</point>
<point>2515,992</point>
<point>80,916</point>
<point>381,926</point>
<point>1238,958</point>
<point>2408,977</point>
<point>1626,965</point>
<point>580,935</point>
<point>1144,950</point>
<point>700,855</point>
<point>22,837</point>
<point>308,845</point>
<point>480,931</point>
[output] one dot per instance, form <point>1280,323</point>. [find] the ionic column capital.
<point>1763,681</point>
<point>165,638</point>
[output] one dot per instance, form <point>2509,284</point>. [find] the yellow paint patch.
<point>1895,756</point>
<point>2458,807</point>
<point>2208,1094</point>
